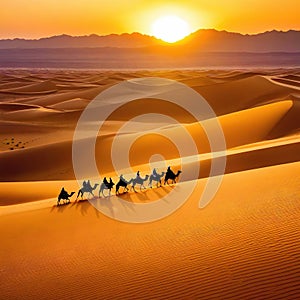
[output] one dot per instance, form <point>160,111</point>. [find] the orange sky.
<point>40,18</point>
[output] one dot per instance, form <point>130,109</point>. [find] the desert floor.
<point>245,244</point>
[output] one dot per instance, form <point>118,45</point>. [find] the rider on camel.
<point>122,178</point>
<point>105,182</point>
<point>154,173</point>
<point>169,170</point>
<point>63,192</point>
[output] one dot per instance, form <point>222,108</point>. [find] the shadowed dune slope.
<point>240,94</point>
<point>44,87</point>
<point>238,128</point>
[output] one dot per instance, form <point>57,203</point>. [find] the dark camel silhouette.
<point>156,178</point>
<point>122,182</point>
<point>106,186</point>
<point>170,175</point>
<point>138,180</point>
<point>87,188</point>
<point>63,195</point>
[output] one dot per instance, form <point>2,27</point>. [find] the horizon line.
<point>145,34</point>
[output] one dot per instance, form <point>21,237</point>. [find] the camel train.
<point>87,188</point>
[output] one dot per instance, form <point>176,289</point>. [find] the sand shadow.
<point>82,205</point>
<point>60,208</point>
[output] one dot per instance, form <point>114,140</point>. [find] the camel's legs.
<point>81,194</point>
<point>125,190</point>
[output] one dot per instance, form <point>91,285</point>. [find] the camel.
<point>87,188</point>
<point>122,182</point>
<point>138,180</point>
<point>63,195</point>
<point>170,175</point>
<point>156,178</point>
<point>107,186</point>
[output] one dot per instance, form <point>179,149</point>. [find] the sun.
<point>170,29</point>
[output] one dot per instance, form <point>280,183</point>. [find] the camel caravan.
<point>127,186</point>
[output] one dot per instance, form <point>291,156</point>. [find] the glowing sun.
<point>170,29</point>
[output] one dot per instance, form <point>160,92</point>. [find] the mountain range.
<point>203,40</point>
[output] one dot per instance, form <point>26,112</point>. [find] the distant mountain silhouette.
<point>203,40</point>
<point>125,40</point>
<point>223,41</point>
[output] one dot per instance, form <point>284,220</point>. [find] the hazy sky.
<point>39,18</point>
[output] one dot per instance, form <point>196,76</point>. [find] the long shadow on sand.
<point>84,205</point>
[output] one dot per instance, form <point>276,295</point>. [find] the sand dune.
<point>238,129</point>
<point>46,87</point>
<point>234,75</point>
<point>243,245</point>
<point>241,94</point>
<point>233,248</point>
<point>77,103</point>
<point>9,107</point>
<point>289,124</point>
<point>292,77</point>
<point>55,99</point>
<point>288,82</point>
<point>198,81</point>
